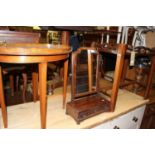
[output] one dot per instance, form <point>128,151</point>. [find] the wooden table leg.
<point>35,86</point>
<point>65,82</point>
<point>42,92</point>
<point>2,101</point>
<point>65,36</point>
<point>150,78</point>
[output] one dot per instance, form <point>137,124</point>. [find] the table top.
<point>33,49</point>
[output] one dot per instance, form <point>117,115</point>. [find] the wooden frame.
<point>120,54</point>
<point>90,52</point>
<point>90,103</point>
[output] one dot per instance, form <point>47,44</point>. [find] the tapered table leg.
<point>2,101</point>
<point>42,92</point>
<point>65,82</point>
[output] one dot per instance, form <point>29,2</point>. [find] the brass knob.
<point>135,119</point>
<point>116,127</point>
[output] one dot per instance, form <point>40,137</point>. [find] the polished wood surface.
<point>36,53</point>
<point>33,49</point>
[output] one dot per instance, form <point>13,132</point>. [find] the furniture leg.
<point>11,79</point>
<point>102,65</point>
<point>150,78</point>
<point>65,83</point>
<point>35,86</point>
<point>2,101</point>
<point>118,73</point>
<point>17,83</point>
<point>42,91</point>
<point>90,80</point>
<point>24,75</point>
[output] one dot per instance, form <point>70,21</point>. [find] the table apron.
<point>31,59</point>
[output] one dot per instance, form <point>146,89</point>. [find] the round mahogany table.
<point>34,53</point>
